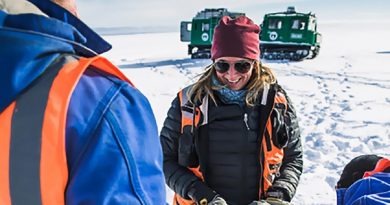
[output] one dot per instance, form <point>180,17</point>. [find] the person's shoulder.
<point>377,184</point>
<point>277,87</point>
<point>96,76</point>
<point>103,83</point>
<point>280,91</point>
<point>97,88</point>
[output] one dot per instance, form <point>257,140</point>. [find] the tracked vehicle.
<point>289,35</point>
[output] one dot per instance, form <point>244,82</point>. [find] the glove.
<point>270,201</point>
<point>262,202</point>
<point>278,193</point>
<point>202,194</point>
<point>275,201</point>
<point>217,201</point>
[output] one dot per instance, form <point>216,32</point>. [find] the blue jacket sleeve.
<point>374,190</point>
<point>113,150</point>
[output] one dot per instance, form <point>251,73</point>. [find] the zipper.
<point>246,121</point>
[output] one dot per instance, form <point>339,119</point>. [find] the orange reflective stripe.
<point>275,156</point>
<point>267,180</point>
<point>381,165</point>
<point>5,129</point>
<point>54,171</point>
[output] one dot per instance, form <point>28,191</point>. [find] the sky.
<point>169,13</point>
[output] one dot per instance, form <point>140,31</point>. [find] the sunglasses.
<point>241,66</point>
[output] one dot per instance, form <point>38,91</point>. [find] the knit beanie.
<point>236,38</point>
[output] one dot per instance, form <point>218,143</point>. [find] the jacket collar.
<point>93,40</point>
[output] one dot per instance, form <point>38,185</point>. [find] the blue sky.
<point>169,13</point>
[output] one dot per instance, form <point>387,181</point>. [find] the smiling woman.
<point>232,137</point>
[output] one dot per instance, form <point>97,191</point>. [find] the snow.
<point>342,97</point>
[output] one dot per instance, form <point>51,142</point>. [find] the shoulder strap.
<point>192,115</point>
<point>266,105</point>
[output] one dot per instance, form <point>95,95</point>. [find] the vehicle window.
<point>298,24</point>
<point>274,24</point>
<point>205,26</point>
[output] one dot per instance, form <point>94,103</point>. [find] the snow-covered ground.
<point>342,97</point>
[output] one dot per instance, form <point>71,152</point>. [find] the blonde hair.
<point>261,76</point>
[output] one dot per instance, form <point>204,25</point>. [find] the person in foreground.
<point>365,180</point>
<point>232,137</point>
<point>73,128</point>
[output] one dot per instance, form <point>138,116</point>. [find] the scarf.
<point>227,95</point>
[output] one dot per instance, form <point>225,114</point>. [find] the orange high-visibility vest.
<point>273,156</point>
<point>32,143</point>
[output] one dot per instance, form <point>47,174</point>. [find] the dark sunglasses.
<point>242,66</point>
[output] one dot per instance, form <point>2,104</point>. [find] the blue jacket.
<point>112,145</point>
<point>374,190</point>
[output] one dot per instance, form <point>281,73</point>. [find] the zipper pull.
<point>246,120</point>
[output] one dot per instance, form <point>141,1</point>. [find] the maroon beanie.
<point>236,38</point>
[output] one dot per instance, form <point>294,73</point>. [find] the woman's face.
<point>233,72</point>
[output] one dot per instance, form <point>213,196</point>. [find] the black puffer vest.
<point>228,150</point>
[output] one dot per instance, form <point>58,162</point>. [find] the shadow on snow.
<point>179,63</point>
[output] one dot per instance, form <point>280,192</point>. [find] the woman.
<point>232,137</point>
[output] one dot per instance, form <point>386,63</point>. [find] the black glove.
<point>278,193</point>
<point>262,202</point>
<point>216,201</point>
<point>270,201</point>
<point>201,193</point>
<point>275,201</point>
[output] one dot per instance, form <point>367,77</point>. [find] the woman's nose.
<point>232,72</point>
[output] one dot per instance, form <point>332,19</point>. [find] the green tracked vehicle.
<point>289,35</point>
<point>200,30</point>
